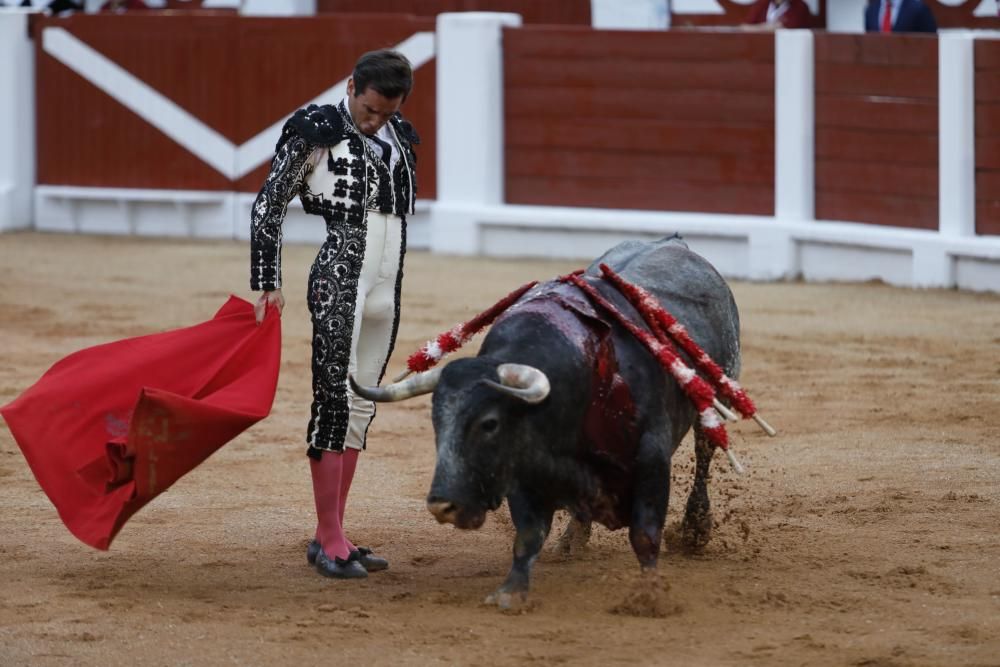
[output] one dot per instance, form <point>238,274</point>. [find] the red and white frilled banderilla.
<point>666,333</point>
<point>436,349</point>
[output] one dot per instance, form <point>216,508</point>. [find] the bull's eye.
<point>489,425</point>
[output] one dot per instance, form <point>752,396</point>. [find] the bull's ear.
<point>523,382</point>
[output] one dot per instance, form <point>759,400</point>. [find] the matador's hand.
<point>274,297</point>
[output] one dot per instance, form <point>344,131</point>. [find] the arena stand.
<point>826,156</point>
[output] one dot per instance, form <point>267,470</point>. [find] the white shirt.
<point>386,134</point>
<point>775,12</point>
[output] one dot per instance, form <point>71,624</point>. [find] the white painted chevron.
<point>158,110</point>
<point>179,125</point>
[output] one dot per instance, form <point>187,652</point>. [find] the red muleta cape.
<point>110,427</point>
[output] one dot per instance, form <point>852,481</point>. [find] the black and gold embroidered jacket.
<point>360,182</point>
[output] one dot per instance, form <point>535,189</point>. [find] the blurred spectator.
<point>899,16</point>
<point>774,14</point>
<point>51,7</point>
<point>119,6</point>
<point>63,7</point>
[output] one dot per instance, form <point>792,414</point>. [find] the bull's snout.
<point>444,511</point>
<point>466,517</point>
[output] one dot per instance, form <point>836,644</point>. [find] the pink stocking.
<point>327,477</point>
<point>346,477</point>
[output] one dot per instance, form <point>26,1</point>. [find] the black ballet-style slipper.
<point>338,568</point>
<point>369,560</point>
<point>312,551</point>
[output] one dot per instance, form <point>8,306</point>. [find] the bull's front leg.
<point>532,522</point>
<point>650,496</point>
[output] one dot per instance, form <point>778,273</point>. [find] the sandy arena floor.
<point>865,534</point>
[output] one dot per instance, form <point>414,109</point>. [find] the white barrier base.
<point>300,227</point>
<point>187,213</point>
<point>180,213</point>
<point>740,246</point>
<point>13,212</point>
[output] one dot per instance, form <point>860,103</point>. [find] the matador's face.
<point>371,109</point>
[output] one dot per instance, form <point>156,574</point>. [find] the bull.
<point>563,408</point>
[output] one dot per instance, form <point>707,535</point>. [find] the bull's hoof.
<point>507,600</point>
<point>696,531</point>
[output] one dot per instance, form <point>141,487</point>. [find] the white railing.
<point>470,216</point>
<point>17,120</point>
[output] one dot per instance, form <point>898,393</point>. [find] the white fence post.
<point>933,264</point>
<point>772,251</point>
<point>794,125</point>
<point>957,134</point>
<point>470,128</point>
<point>17,120</point>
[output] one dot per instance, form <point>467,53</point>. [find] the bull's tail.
<point>673,239</point>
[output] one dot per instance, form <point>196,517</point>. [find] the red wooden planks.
<point>660,120</point>
<point>877,129</point>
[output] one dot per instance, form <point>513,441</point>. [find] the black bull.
<point>600,442</point>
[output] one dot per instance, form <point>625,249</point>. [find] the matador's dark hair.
<point>386,71</point>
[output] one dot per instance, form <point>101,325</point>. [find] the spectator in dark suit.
<point>774,14</point>
<point>899,16</point>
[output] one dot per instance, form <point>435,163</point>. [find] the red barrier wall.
<point>531,11</point>
<point>644,120</point>
<point>237,75</point>
<point>300,53</point>
<point>86,138</point>
<point>987,54</point>
<point>877,129</point>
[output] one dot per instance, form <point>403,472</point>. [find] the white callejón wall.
<point>17,120</point>
<point>469,216</point>
<point>788,245</point>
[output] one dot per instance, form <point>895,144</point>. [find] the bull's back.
<point>689,287</point>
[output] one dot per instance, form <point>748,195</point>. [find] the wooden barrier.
<point>641,120</point>
<point>236,75</point>
<point>532,11</point>
<point>603,135</point>
<point>877,129</point>
<point>987,59</point>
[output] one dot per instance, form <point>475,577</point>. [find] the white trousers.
<point>374,315</point>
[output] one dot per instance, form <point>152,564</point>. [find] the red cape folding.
<point>109,428</point>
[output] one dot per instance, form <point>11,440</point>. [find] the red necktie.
<point>887,17</point>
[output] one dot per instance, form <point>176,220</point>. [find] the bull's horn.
<point>421,383</point>
<point>520,381</point>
